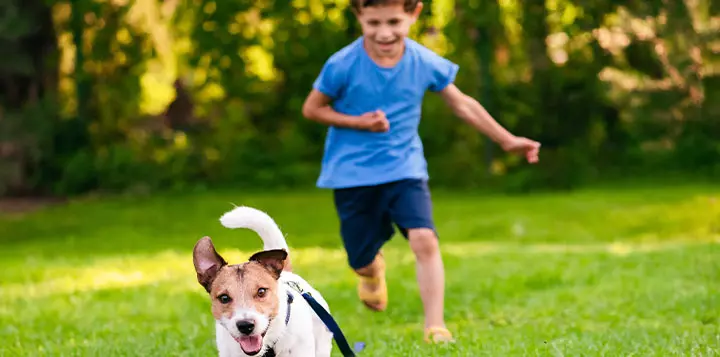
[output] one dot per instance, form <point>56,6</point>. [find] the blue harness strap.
<point>330,323</point>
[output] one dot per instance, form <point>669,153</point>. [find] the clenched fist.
<point>374,121</point>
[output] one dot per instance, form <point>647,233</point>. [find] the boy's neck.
<point>384,61</point>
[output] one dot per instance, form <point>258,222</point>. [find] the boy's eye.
<point>373,23</point>
<point>394,22</point>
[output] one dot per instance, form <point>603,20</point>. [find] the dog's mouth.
<point>251,344</point>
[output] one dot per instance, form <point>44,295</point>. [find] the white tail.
<point>258,221</point>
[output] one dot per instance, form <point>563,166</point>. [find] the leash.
<point>329,322</point>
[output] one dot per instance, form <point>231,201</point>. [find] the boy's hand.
<point>374,121</point>
<point>520,145</point>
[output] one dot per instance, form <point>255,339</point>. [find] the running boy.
<point>370,94</point>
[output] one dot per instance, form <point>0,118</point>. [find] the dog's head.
<point>244,296</point>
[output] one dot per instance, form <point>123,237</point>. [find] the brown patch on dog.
<point>273,260</point>
<point>251,285</point>
<point>207,262</point>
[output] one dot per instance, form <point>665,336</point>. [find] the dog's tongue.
<point>250,344</point>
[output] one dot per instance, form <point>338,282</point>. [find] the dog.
<point>256,311</point>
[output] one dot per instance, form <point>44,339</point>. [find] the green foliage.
<point>606,87</point>
<point>28,107</point>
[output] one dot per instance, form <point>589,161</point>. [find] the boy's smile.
<point>385,28</point>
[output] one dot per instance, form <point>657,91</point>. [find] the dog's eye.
<point>261,292</point>
<point>224,299</point>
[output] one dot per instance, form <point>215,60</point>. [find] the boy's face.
<point>385,28</point>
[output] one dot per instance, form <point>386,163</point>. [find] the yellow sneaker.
<point>373,290</point>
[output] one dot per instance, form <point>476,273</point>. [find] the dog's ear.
<point>207,262</point>
<point>273,259</point>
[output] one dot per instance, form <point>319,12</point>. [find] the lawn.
<point>591,273</point>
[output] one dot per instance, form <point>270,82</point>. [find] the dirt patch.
<point>20,205</point>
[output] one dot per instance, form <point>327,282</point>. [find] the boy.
<point>370,94</point>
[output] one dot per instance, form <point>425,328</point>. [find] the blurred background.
<point>123,95</point>
<point>186,107</point>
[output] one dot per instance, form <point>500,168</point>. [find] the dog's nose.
<point>245,327</point>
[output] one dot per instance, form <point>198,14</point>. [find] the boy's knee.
<point>423,242</point>
<point>367,270</point>
<point>371,269</point>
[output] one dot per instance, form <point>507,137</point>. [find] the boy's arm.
<point>472,112</point>
<point>469,110</point>
<point>317,108</point>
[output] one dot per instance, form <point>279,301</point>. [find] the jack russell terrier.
<point>256,311</point>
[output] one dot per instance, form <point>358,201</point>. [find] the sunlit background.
<point>179,94</point>
<point>128,127</point>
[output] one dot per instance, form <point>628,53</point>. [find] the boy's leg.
<point>365,226</point>
<point>430,274</point>
<point>372,287</point>
<point>411,209</point>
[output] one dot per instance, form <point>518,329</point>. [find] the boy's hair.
<point>408,5</point>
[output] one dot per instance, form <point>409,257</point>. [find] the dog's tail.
<point>258,221</point>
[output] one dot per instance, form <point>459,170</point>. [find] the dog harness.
<point>326,318</point>
<point>329,322</point>
<point>270,351</point>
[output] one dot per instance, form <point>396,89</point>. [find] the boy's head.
<point>386,23</point>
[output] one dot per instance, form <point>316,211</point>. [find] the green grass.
<point>593,273</point>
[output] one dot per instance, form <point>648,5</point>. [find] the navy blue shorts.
<point>367,215</point>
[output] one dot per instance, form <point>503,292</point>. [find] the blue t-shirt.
<point>357,85</point>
